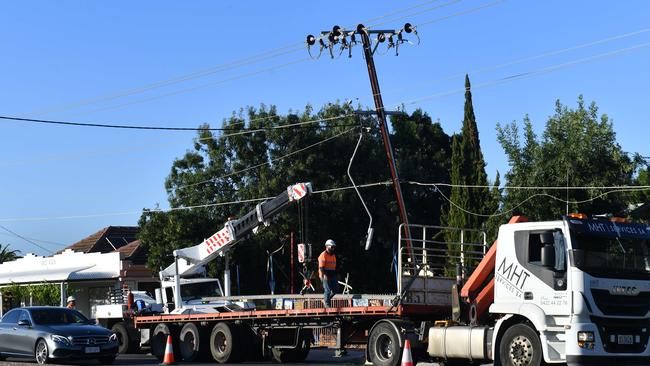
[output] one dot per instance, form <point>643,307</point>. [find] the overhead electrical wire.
<point>159,84</point>
<point>25,239</point>
<point>197,87</point>
<point>520,60</point>
<point>263,56</point>
<point>266,162</point>
<point>525,75</point>
<point>47,242</point>
<point>558,188</point>
<point>161,128</point>
<point>385,183</point>
<point>214,204</point>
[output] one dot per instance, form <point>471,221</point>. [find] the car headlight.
<point>113,338</point>
<point>60,339</point>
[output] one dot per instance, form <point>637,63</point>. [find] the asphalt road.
<point>316,357</point>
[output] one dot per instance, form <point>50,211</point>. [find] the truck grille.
<point>610,329</point>
<point>609,304</point>
<point>89,340</point>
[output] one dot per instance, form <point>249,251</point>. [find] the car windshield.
<point>191,291</point>
<point>613,251</point>
<point>57,316</point>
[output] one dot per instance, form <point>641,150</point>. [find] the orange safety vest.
<point>327,261</point>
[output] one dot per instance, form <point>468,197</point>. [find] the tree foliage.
<point>8,255</point>
<point>578,148</point>
<point>470,197</point>
<point>238,166</point>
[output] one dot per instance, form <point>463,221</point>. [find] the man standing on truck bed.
<point>327,271</point>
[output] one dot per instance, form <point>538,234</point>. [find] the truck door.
<point>542,252</point>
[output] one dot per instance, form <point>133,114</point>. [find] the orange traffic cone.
<point>407,359</point>
<point>169,352</point>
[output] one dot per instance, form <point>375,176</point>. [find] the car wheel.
<point>41,353</point>
<point>107,360</point>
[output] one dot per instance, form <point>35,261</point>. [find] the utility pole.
<point>340,36</point>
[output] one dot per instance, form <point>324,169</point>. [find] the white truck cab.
<point>573,291</point>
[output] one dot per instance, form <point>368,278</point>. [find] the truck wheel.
<point>123,338</point>
<point>384,346</point>
<point>520,346</point>
<point>193,342</point>
<point>223,346</point>
<point>158,340</point>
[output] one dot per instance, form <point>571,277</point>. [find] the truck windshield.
<point>190,291</point>
<point>612,250</point>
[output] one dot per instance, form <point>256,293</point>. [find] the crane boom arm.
<point>196,257</point>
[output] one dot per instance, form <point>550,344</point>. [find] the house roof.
<point>106,240</point>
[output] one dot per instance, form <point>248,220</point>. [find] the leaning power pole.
<point>346,40</point>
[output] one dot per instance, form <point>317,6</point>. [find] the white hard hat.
<point>330,243</point>
<point>71,298</point>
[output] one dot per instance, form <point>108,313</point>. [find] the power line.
<point>241,76</point>
<point>39,240</point>
<point>280,51</point>
<point>416,13</point>
<point>198,74</point>
<point>141,148</point>
<point>385,183</point>
<point>158,128</point>
<point>524,59</point>
<point>559,188</point>
<point>25,239</point>
<point>525,75</point>
<point>214,204</point>
<point>646,188</point>
<point>194,88</point>
<point>267,162</point>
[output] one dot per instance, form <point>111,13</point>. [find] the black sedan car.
<point>47,333</point>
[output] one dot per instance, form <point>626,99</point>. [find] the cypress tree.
<point>468,169</point>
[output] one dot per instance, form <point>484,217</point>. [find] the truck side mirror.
<point>547,256</point>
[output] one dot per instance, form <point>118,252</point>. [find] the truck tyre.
<point>159,340</point>
<point>125,342</point>
<point>520,346</point>
<point>384,346</point>
<point>193,342</point>
<point>224,345</point>
<point>298,354</point>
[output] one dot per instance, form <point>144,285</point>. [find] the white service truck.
<point>573,291</point>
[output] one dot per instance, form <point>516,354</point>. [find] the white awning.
<point>64,267</point>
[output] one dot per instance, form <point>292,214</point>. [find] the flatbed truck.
<point>574,291</point>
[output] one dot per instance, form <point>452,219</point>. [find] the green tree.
<point>578,148</point>
<point>470,197</point>
<point>7,255</point>
<point>235,166</point>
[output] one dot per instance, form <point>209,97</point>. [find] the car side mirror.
<point>547,256</point>
<point>24,323</point>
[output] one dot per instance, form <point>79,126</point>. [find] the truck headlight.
<point>113,337</point>
<point>586,340</point>
<point>60,339</point>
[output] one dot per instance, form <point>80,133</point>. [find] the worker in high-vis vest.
<point>327,271</point>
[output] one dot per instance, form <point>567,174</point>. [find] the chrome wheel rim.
<point>41,353</point>
<point>521,351</point>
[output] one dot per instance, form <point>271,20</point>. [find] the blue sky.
<point>54,55</point>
